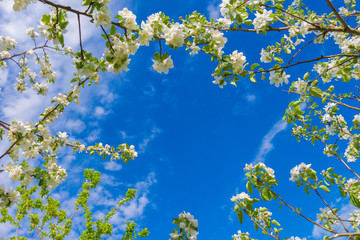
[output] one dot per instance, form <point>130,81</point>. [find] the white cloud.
<point>135,208</point>
<point>94,135</point>
<point>149,90</point>
<point>250,98</point>
<point>112,166</point>
<point>24,107</point>
<point>123,134</point>
<point>266,143</point>
<point>109,180</point>
<point>154,132</point>
<point>100,112</point>
<point>75,125</point>
<point>3,77</point>
<point>213,10</point>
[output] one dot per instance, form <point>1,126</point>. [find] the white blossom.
<point>295,171</point>
<point>262,19</point>
<point>239,197</point>
<point>22,4</point>
<point>103,17</point>
<point>164,66</point>
<point>238,60</point>
<point>174,36</point>
<point>266,56</point>
<point>278,78</point>
<point>300,86</point>
<point>129,18</point>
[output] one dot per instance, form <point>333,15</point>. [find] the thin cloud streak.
<point>267,142</point>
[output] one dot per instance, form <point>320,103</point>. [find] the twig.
<point>333,212</point>
<point>345,235</point>
<point>263,229</point>
<point>332,100</point>
<point>107,36</point>
<point>337,15</point>
<point>307,44</point>
<point>160,47</point>
<point>81,48</point>
<point>311,60</point>
<point>336,155</point>
<point>44,118</point>
<point>302,215</point>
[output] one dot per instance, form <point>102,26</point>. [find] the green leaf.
<point>240,215</point>
<point>253,66</point>
<point>316,92</point>
<point>45,18</point>
<point>306,76</point>
<point>266,194</point>
<point>275,223</point>
<point>248,22</point>
<point>323,187</point>
<point>61,39</point>
<point>112,30</point>
<point>354,201</point>
<point>61,16</point>
<point>256,226</point>
<point>249,187</point>
<point>343,193</point>
<point>279,60</point>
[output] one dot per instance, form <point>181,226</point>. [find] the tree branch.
<point>337,15</point>
<point>308,61</point>
<point>333,212</point>
<point>302,215</point>
<point>336,155</point>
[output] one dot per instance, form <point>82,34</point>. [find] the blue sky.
<point>193,138</point>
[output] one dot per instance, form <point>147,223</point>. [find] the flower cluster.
<point>278,78</point>
<point>62,99</point>
<point>240,197</point>
<point>163,66</point>
<point>266,56</point>
<point>22,4</point>
<point>118,55</point>
<point>174,36</point>
<point>32,139</point>
<point>19,172</point>
<point>102,16</point>
<point>355,218</point>
<point>328,217</point>
<point>53,26</point>
<point>262,216</point>
<point>127,19</point>
<point>9,197</point>
<point>297,170</point>
<point>31,32</point>
<point>151,27</point>
<point>238,60</point>
<point>300,86</point>
<point>56,175</point>
<point>261,19</point>
<point>7,43</point>
<point>46,71</point>
<point>241,236</point>
<point>269,171</point>
<point>123,151</point>
<point>186,227</point>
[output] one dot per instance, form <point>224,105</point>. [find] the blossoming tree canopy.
<point>323,110</point>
